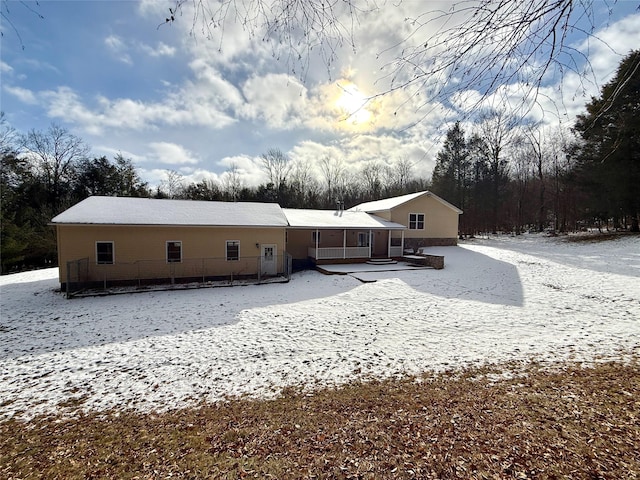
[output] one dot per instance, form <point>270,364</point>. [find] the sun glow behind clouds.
<point>352,105</point>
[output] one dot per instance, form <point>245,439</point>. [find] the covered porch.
<point>338,236</point>
<point>367,245</point>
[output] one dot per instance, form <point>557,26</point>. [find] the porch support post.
<point>389,244</point>
<point>344,243</point>
<point>370,242</point>
<point>402,243</point>
<point>317,244</point>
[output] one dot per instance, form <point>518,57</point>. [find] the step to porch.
<point>381,261</point>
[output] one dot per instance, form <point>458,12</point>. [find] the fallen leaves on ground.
<point>488,423</point>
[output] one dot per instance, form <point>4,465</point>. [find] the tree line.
<point>513,176</point>
<point>299,184</point>
<point>42,174</point>
<point>505,175</point>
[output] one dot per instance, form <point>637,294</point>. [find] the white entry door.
<point>269,262</point>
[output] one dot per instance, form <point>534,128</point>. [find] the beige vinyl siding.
<point>440,221</point>
<point>386,215</point>
<point>298,242</point>
<point>142,243</point>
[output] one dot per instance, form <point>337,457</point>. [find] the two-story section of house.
<point>429,220</point>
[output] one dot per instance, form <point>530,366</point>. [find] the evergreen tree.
<point>477,212</point>
<point>450,174</point>
<point>102,177</point>
<point>609,154</point>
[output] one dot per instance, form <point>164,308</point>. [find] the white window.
<point>174,251</point>
<point>104,253</point>
<point>233,250</point>
<point>416,221</point>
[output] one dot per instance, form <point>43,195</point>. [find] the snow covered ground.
<point>497,299</point>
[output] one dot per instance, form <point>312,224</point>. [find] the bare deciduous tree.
<point>53,156</point>
<point>523,159</point>
<point>304,183</point>
<point>8,136</point>
<point>403,170</point>
<point>232,183</point>
<point>277,167</point>
<point>333,171</point>
<point>497,129</point>
<point>372,174</point>
<point>173,184</point>
<point>535,138</point>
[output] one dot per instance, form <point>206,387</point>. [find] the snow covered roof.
<point>147,211</point>
<point>302,218</point>
<point>393,202</point>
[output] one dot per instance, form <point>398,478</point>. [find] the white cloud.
<point>22,94</point>
<point>278,99</point>
<point>233,44</point>
<point>248,168</point>
<point>609,45</point>
<point>5,68</point>
<point>65,104</point>
<point>118,48</point>
<point>192,106</point>
<point>155,176</point>
<point>110,152</point>
<point>148,8</point>
<point>121,49</point>
<point>197,175</point>
<point>211,88</point>
<point>160,50</point>
<point>40,66</point>
<point>171,154</point>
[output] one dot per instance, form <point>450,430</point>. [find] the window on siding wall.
<point>416,221</point>
<point>174,252</point>
<point>363,239</point>
<point>233,250</point>
<point>104,253</point>
<point>315,236</point>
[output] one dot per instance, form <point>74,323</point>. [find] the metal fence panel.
<point>77,276</point>
<point>81,275</point>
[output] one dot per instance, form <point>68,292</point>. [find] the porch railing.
<point>333,253</point>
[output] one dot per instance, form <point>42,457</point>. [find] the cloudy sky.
<point>198,100</point>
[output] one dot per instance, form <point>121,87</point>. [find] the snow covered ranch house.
<point>106,241</point>
<point>429,220</point>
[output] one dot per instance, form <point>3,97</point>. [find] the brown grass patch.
<point>576,422</point>
<point>597,237</point>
